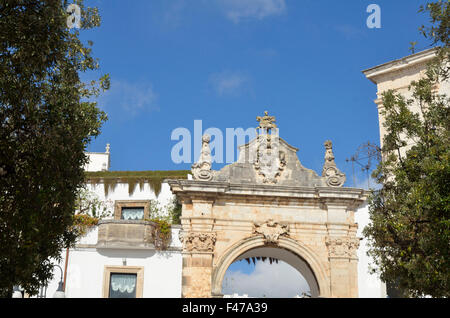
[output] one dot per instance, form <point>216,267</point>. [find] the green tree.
<point>89,210</point>
<point>47,118</point>
<point>409,233</point>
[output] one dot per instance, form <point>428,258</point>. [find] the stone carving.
<point>201,170</point>
<point>271,230</point>
<point>342,246</point>
<point>198,241</point>
<point>270,161</point>
<point>266,122</point>
<point>334,177</point>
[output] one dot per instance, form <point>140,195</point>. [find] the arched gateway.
<point>268,203</point>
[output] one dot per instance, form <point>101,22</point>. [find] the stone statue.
<point>201,170</point>
<point>334,177</point>
<point>266,122</point>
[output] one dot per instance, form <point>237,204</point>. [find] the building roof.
<point>395,65</point>
<point>110,179</point>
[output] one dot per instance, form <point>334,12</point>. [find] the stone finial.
<point>334,177</point>
<point>266,122</point>
<point>201,170</point>
<point>108,147</point>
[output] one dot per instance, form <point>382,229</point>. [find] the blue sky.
<point>226,61</point>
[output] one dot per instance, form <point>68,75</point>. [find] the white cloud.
<point>131,98</point>
<point>231,83</point>
<point>173,14</point>
<point>238,10</point>
<point>268,53</point>
<point>267,280</point>
<point>349,32</point>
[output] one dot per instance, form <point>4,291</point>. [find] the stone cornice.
<point>215,189</point>
<point>422,57</point>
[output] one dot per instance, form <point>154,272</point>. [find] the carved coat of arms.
<point>270,161</point>
<point>271,230</point>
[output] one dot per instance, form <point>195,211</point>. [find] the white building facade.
<point>125,262</point>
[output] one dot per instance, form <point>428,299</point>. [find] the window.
<point>122,285</point>
<point>132,210</point>
<point>123,281</point>
<point>132,213</point>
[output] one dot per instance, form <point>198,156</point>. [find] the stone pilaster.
<point>198,241</point>
<point>343,265</point>
<point>198,249</point>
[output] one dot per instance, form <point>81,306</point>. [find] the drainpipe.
<point>65,269</point>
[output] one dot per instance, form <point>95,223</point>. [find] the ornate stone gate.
<point>268,204</point>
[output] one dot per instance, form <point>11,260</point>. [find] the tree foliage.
<point>163,216</point>
<point>46,120</point>
<point>409,233</point>
<point>89,209</point>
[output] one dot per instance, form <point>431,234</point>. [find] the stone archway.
<point>287,250</point>
<point>268,199</point>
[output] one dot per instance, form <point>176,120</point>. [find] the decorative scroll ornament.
<point>198,241</point>
<point>270,161</point>
<point>334,177</point>
<point>201,170</point>
<point>271,230</point>
<point>342,246</point>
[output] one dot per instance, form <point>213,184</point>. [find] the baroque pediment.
<point>278,165</point>
<point>269,160</point>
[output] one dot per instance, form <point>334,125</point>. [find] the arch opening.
<point>303,258</point>
<point>291,276</point>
